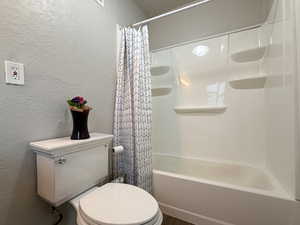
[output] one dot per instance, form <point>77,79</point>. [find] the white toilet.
<point>69,170</point>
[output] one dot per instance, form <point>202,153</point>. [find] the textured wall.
<point>68,48</point>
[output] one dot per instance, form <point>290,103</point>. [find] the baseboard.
<point>189,216</point>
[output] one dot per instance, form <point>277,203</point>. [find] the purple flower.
<point>77,99</point>
<point>77,102</point>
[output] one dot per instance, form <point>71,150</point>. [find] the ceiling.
<point>157,7</point>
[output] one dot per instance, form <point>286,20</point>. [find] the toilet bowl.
<point>117,204</point>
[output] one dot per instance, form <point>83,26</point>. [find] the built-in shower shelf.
<point>200,109</point>
<point>256,82</point>
<point>249,55</point>
<point>161,90</point>
<point>159,70</point>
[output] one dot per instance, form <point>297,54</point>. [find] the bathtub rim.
<point>229,162</point>
<point>274,194</point>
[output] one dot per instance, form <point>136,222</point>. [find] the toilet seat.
<point>157,221</point>
<point>117,204</point>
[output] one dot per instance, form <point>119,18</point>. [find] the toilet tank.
<point>66,168</point>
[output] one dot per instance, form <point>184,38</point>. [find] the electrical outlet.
<point>14,73</point>
<point>100,2</point>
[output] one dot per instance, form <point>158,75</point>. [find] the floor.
<point>173,221</point>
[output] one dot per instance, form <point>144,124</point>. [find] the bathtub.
<point>217,193</point>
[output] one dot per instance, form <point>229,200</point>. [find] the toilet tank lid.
<point>62,146</point>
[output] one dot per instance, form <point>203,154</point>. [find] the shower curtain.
<point>133,109</point>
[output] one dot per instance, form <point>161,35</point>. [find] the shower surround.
<point>224,125</point>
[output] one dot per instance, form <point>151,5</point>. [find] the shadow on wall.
<point>267,7</point>
<point>212,18</point>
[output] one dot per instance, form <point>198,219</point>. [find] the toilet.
<point>71,171</point>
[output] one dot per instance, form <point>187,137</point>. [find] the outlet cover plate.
<point>14,73</point>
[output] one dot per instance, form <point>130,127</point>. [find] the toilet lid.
<point>118,204</point>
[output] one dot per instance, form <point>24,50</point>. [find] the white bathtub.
<point>215,193</point>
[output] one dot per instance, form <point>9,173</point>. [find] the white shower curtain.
<point>133,109</point>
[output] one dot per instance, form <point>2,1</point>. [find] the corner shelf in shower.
<point>200,109</point>
<point>161,90</point>
<point>249,55</point>
<point>159,70</point>
<point>256,82</point>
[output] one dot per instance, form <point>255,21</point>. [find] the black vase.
<point>80,125</point>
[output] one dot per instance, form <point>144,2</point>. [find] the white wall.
<point>297,12</point>
<point>279,65</point>
<point>236,135</point>
<point>212,18</point>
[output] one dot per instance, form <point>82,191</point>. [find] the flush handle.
<point>61,161</point>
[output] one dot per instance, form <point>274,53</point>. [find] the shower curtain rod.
<point>171,13</point>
